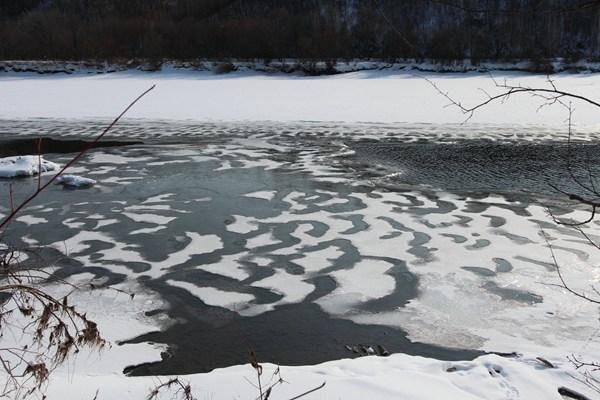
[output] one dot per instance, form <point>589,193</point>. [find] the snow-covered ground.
<point>366,96</point>
<point>396,377</point>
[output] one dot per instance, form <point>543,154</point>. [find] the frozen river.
<point>296,239</point>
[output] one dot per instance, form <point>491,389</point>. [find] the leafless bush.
<point>180,390</point>
<point>50,328</point>
<point>174,386</point>
<point>265,389</point>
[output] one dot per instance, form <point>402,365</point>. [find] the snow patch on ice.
<point>242,224</point>
<point>265,194</point>
<point>233,301</point>
<point>228,266</point>
<point>31,220</point>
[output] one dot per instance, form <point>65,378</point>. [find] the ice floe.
<point>19,166</point>
<point>75,181</point>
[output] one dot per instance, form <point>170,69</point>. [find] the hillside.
<point>306,29</point>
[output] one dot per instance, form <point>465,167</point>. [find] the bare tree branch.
<point>550,96</point>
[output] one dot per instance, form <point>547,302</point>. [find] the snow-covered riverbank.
<point>396,377</point>
<point>296,66</point>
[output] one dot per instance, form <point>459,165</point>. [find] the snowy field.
<point>285,206</point>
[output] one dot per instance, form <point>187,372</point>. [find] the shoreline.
<point>304,67</point>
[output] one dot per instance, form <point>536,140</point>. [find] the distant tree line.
<point>307,29</point>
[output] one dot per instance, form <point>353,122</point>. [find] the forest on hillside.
<point>304,29</point>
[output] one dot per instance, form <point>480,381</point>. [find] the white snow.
<point>107,158</point>
<point>242,224</point>
<point>367,280</point>
<point>366,96</point>
<point>198,244</point>
<point>121,181</point>
<point>292,289</point>
<point>31,220</point>
<point>228,266</point>
<point>395,377</point>
<point>263,194</point>
<point>149,218</point>
<point>105,222</point>
<point>233,301</point>
<point>159,198</point>
<point>316,260</point>
<point>263,239</point>
<point>17,166</point>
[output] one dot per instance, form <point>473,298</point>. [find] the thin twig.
<point>560,275</point>
<point>309,391</point>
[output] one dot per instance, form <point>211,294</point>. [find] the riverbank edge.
<point>296,66</point>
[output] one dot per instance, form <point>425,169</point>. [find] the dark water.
<point>297,334</point>
<point>301,332</point>
<point>488,166</point>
